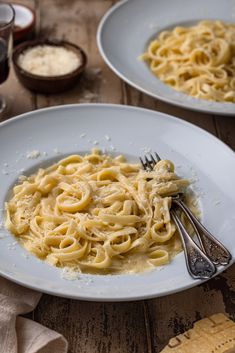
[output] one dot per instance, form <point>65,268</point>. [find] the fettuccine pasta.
<point>97,214</point>
<point>197,60</point>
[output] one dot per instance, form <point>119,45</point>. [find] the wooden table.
<point>134,327</point>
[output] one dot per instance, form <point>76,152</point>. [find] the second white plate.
<point>127,28</point>
<point>65,130</point>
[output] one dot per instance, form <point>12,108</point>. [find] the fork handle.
<point>212,246</point>
<point>198,264</point>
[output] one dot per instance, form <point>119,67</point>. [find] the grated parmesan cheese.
<point>33,154</point>
<point>108,138</point>
<point>69,274</point>
<point>22,178</point>
<point>48,60</point>
<point>55,150</point>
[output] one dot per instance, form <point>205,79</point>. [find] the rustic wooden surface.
<point>135,327</point>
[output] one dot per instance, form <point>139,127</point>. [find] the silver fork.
<point>198,263</point>
<point>214,249</point>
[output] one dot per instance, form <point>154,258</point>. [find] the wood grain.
<point>134,97</point>
<point>79,26</point>
<point>95,327</point>
<point>89,327</point>
<point>19,100</point>
<point>135,327</point>
<point>174,314</point>
<point>225,127</point>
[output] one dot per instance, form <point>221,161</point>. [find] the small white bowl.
<point>24,22</point>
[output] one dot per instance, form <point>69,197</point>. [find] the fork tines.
<point>149,163</point>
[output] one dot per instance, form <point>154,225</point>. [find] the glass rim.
<point>11,21</point>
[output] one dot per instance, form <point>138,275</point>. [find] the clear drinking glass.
<point>7,16</point>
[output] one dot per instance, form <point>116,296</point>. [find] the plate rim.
<point>127,296</point>
<point>99,32</point>
<point>114,105</point>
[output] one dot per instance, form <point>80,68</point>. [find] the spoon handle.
<point>198,264</point>
<point>215,250</point>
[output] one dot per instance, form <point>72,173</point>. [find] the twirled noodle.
<point>97,214</point>
<point>197,60</point>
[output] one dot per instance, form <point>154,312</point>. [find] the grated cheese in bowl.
<point>49,60</point>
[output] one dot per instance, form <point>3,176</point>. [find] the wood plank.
<point>174,314</point>
<point>225,129</point>
<point>19,99</point>
<point>77,22</point>
<point>117,327</point>
<point>134,97</point>
<point>88,327</point>
<point>171,315</point>
<point>95,327</point>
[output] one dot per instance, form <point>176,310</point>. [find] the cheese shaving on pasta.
<point>197,60</point>
<point>97,214</point>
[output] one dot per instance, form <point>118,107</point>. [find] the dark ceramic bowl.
<point>48,84</point>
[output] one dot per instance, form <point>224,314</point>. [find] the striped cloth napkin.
<point>21,335</point>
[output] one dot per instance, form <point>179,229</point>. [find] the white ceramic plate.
<point>128,27</point>
<point>60,131</point>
